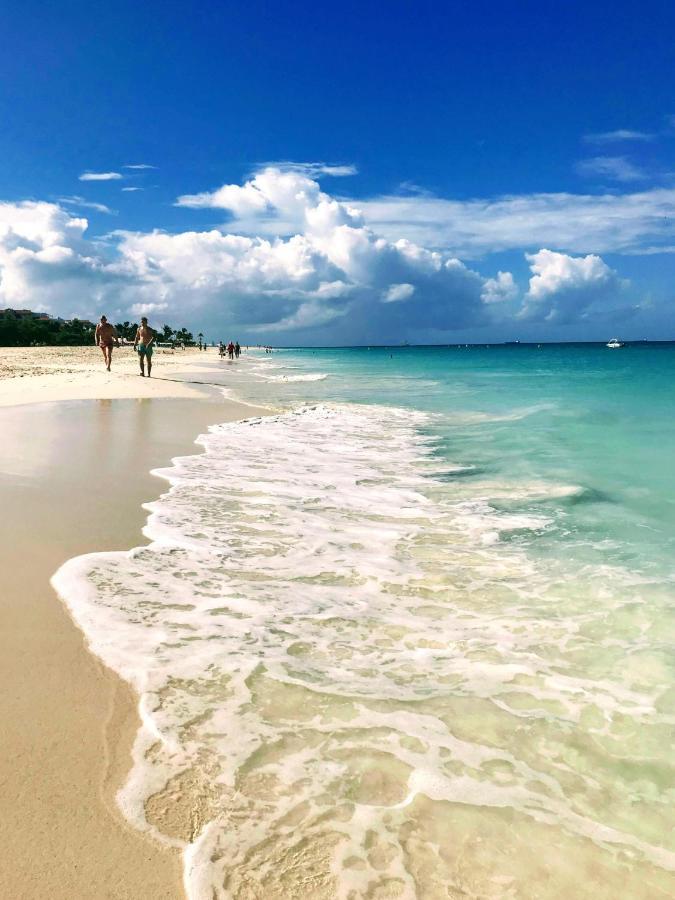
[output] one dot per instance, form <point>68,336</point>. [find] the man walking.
<point>145,338</point>
<point>106,337</point>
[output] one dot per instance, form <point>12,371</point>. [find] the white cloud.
<point>580,223</point>
<point>496,290</point>
<point>312,169</point>
<point>616,168</point>
<point>101,176</point>
<point>46,262</point>
<point>131,189</point>
<point>269,191</point>
<point>332,268</point>
<point>87,204</point>
<point>621,134</point>
<point>333,271</point>
<point>397,292</point>
<point>562,287</point>
<point>147,309</point>
<point>138,166</point>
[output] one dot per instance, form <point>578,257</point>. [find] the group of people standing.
<point>106,337</point>
<point>233,350</point>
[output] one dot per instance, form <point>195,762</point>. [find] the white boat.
<point>615,343</point>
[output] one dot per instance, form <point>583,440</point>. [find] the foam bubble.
<point>340,661</point>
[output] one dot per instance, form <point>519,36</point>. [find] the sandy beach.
<point>41,374</point>
<point>73,475</point>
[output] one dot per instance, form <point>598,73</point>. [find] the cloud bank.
<point>577,223</point>
<point>292,259</point>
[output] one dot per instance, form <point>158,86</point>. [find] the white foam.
<point>306,628</point>
<point>308,376</point>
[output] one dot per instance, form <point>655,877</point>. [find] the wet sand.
<point>73,476</point>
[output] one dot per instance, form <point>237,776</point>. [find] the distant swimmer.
<point>106,338</point>
<point>145,338</point>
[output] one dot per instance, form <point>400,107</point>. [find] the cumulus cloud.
<point>496,290</point>
<point>616,168</point>
<point>47,264</point>
<point>331,271</point>
<point>332,267</point>
<point>101,176</point>
<point>562,287</point>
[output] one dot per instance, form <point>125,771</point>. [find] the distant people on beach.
<point>106,338</point>
<point>232,349</point>
<point>144,340</point>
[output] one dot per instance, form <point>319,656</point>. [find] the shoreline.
<point>71,721</point>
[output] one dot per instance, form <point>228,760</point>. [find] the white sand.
<point>44,374</point>
<point>72,480</point>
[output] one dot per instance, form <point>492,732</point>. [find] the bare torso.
<point>144,335</point>
<point>105,334</point>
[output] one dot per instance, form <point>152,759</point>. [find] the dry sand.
<point>39,374</point>
<point>73,476</point>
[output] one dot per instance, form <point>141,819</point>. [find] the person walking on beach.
<point>230,350</point>
<point>237,349</point>
<point>145,338</point>
<point>106,337</point>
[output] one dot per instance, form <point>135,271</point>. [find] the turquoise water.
<point>411,635</point>
<point>575,414</point>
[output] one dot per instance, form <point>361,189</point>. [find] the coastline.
<point>73,476</point>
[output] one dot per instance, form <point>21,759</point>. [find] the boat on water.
<point>615,343</point>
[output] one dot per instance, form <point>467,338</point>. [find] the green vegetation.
<point>27,331</point>
<point>165,334</point>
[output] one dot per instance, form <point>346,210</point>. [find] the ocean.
<point>411,635</point>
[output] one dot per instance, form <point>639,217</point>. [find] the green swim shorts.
<point>142,349</point>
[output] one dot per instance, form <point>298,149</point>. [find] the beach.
<point>73,475</point>
<point>404,635</point>
<point>41,374</point>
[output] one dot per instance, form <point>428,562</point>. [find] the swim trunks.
<point>143,349</point>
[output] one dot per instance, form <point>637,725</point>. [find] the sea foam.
<point>347,680</point>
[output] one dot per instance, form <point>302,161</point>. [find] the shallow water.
<point>414,638</point>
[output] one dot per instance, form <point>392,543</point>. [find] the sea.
<point>409,635</point>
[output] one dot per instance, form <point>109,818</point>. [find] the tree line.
<point>27,332</point>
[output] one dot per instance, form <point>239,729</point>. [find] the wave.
<point>347,678</point>
<point>309,376</point>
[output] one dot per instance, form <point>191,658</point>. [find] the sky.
<point>327,174</point>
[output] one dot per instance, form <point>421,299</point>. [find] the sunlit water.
<point>411,636</point>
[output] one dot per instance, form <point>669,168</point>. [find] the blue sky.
<point>386,163</point>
